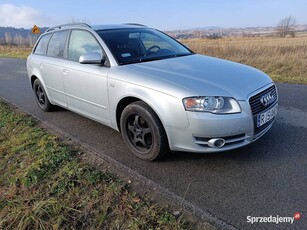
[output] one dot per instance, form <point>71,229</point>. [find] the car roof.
<point>96,27</point>
<point>117,26</point>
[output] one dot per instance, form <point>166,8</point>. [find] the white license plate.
<point>266,116</point>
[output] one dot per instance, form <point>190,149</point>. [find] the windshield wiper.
<point>181,55</point>
<point>164,57</point>
<point>147,59</point>
<point>141,60</point>
<point>130,62</point>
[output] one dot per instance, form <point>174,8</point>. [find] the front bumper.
<point>236,129</point>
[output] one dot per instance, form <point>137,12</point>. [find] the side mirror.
<point>92,58</point>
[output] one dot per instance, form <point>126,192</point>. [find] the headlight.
<point>212,104</point>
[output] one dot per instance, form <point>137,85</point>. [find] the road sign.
<point>36,30</point>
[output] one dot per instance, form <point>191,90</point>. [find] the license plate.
<point>266,116</point>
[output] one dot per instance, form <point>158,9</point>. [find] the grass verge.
<point>15,51</point>
<point>45,185</point>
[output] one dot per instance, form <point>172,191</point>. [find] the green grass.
<point>45,185</point>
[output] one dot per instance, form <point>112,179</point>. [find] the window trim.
<point>65,55</point>
<point>65,45</point>
<point>38,41</point>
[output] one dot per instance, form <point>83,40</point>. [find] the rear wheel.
<point>41,96</point>
<point>143,132</point>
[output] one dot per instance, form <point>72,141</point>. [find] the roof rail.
<point>68,25</point>
<point>134,24</point>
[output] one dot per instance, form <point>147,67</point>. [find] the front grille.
<point>257,107</point>
<point>255,103</point>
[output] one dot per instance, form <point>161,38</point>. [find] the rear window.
<point>42,45</point>
<point>57,44</point>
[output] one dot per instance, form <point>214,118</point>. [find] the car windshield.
<point>142,44</point>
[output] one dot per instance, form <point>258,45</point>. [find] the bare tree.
<point>18,40</point>
<point>286,27</point>
<point>8,38</point>
<point>31,39</point>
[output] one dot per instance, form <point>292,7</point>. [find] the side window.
<point>57,44</point>
<point>82,42</point>
<point>42,44</point>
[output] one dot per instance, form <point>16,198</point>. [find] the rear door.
<point>86,84</point>
<point>45,60</point>
<point>50,69</point>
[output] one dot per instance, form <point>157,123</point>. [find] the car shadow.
<point>58,109</point>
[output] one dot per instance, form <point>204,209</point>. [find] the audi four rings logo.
<point>267,99</point>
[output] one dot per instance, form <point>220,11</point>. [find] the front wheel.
<point>143,132</point>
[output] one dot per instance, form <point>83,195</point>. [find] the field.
<point>284,59</point>
<point>15,51</point>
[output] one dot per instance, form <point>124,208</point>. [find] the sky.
<point>160,14</point>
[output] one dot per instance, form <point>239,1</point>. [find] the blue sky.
<point>161,14</point>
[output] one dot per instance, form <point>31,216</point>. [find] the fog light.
<point>216,142</point>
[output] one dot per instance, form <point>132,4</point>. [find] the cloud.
<point>21,16</point>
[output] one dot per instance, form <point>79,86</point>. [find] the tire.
<point>143,132</point>
<point>41,96</point>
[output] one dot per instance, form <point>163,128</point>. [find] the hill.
<point>21,36</point>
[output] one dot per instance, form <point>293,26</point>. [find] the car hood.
<point>206,76</point>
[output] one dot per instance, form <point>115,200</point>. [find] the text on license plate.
<point>265,117</point>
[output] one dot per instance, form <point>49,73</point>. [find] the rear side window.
<point>56,45</point>
<point>42,45</point>
<point>82,42</point>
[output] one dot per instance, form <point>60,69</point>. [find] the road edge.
<point>138,178</point>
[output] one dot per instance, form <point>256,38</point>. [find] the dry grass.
<point>15,51</point>
<point>284,59</point>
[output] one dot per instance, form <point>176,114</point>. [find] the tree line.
<point>24,37</point>
<point>18,36</point>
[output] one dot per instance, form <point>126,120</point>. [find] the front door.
<point>86,84</point>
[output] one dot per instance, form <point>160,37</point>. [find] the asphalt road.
<point>265,178</point>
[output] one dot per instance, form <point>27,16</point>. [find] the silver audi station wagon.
<point>155,91</point>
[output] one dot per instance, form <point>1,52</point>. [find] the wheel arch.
<point>37,76</point>
<point>32,79</point>
<point>124,102</point>
<point>166,107</point>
